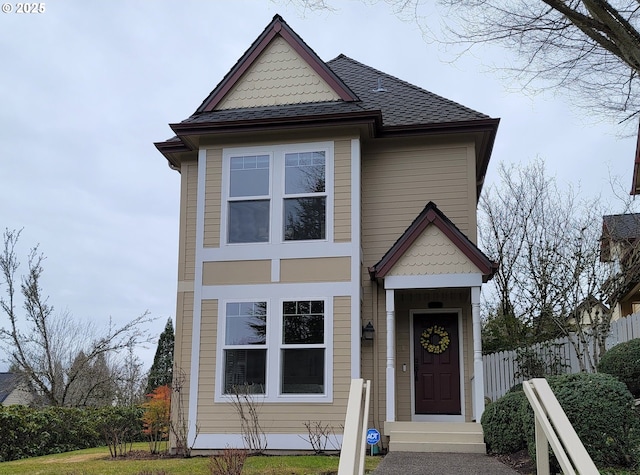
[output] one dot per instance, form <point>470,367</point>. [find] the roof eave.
<point>372,118</point>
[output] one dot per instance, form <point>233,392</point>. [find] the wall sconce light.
<point>368,331</point>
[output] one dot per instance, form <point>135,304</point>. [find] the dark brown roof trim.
<point>195,128</point>
<point>277,27</point>
<point>432,215</point>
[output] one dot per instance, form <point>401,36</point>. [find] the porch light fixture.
<point>368,331</point>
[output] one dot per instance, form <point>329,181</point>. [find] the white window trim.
<point>276,189</point>
<point>274,346</point>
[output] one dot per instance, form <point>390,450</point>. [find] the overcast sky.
<point>87,86</point>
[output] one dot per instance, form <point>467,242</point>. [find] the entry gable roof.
<point>277,28</point>
<point>431,215</point>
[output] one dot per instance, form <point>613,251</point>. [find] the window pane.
<point>245,369</point>
<point>246,323</point>
<point>304,173</point>
<point>303,371</point>
<point>300,326</point>
<point>249,176</point>
<point>304,218</point>
<point>249,221</point>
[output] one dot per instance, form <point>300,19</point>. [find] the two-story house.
<point>328,232</point>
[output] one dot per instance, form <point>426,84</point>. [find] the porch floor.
<point>449,437</point>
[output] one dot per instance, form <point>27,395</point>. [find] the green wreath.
<point>441,346</point>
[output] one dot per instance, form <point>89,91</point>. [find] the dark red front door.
<point>436,363</point>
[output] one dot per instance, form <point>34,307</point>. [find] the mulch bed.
<point>519,461</point>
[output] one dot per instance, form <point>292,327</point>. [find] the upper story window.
<point>249,198</point>
<point>277,194</point>
<point>305,203</point>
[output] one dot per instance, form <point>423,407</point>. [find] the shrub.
<point>502,424</point>
<point>600,408</point>
<point>27,432</point>
<point>623,362</point>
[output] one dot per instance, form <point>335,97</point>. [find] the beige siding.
<point>213,198</point>
<point>323,269</point>
<point>433,253</point>
<point>182,350</point>
<point>279,76</point>
<point>342,186</point>
<point>20,395</point>
<point>188,198</point>
<point>276,418</point>
<point>207,367</point>
<point>236,272</point>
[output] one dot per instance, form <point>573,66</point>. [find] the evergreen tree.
<point>161,372</point>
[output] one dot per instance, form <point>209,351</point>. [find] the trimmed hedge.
<point>623,362</point>
<point>27,432</point>
<point>599,407</point>
<point>502,424</point>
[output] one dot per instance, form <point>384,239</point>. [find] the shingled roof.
<point>388,106</point>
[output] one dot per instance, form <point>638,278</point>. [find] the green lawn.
<point>98,462</point>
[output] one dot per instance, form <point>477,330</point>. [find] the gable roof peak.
<point>432,215</point>
<point>278,27</point>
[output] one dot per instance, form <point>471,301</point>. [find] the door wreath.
<point>441,345</point>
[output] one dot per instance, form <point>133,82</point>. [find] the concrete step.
<point>448,447</point>
<point>452,437</point>
<point>432,427</point>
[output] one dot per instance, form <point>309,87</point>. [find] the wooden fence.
<point>501,370</point>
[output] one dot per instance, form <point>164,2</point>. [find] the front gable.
<point>433,253</point>
<point>432,245</point>
<point>278,69</point>
<point>279,76</point>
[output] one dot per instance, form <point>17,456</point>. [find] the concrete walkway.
<point>414,463</point>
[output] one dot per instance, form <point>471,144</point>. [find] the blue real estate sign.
<point>373,436</point>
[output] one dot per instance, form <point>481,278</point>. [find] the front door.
<point>436,363</point>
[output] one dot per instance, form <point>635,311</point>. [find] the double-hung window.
<point>249,198</point>
<point>276,347</point>
<point>245,353</point>
<point>305,202</point>
<point>277,194</point>
<point>303,348</point>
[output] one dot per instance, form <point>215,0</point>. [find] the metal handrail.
<point>554,429</point>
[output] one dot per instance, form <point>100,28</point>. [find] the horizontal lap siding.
<point>207,370</point>
<point>342,186</point>
<point>187,250</point>
<point>213,198</point>
<point>182,350</point>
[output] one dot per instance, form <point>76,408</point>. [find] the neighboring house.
<point>589,312</point>
<point>13,390</point>
<point>316,199</point>
<point>619,247</point>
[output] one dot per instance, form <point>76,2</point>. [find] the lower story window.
<point>303,371</point>
<point>245,371</point>
<point>303,351</point>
